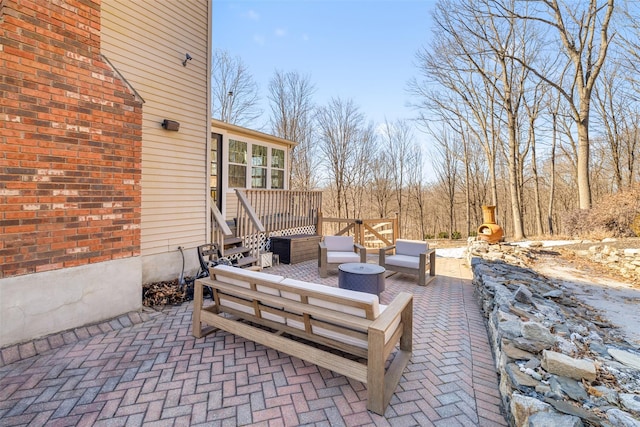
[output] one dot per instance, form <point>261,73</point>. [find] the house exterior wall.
<point>75,137</point>
<point>147,41</point>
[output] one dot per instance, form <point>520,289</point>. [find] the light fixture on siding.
<point>188,58</point>
<point>170,124</point>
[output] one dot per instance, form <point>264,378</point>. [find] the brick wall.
<point>70,141</point>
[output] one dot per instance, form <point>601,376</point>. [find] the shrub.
<point>443,235</point>
<point>428,236</point>
<point>456,235</point>
<point>615,215</point>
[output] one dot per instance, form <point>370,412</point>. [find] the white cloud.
<point>305,37</point>
<point>259,39</point>
<point>280,32</point>
<point>253,15</point>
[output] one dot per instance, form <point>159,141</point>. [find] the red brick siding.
<point>70,142</point>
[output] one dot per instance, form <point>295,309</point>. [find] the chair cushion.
<point>342,257</point>
<point>339,243</point>
<point>411,247</point>
<point>403,261</point>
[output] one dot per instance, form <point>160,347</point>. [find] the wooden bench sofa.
<point>312,321</point>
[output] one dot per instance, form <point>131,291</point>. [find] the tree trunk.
<point>583,179</point>
<point>552,184</point>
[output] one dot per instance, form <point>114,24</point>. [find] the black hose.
<point>181,281</point>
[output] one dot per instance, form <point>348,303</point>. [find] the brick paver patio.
<point>155,373</point>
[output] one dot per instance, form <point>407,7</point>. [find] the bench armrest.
<point>401,304</point>
<point>362,251</point>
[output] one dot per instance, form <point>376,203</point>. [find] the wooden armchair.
<point>411,257</point>
<point>335,250</point>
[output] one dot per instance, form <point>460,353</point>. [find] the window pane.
<point>237,176</point>
<point>258,155</point>
<point>237,152</point>
<point>277,158</point>
<point>277,178</point>
<point>258,178</point>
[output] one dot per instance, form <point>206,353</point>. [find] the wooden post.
<point>319,223</point>
<point>395,229</point>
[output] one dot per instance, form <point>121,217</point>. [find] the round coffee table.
<point>361,277</point>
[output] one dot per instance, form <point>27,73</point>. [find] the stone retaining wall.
<point>559,364</point>
<point>624,261</point>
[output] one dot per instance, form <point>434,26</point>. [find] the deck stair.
<point>239,255</point>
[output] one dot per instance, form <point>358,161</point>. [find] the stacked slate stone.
<point>560,364</point>
<point>625,261</point>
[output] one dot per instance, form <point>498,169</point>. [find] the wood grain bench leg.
<point>196,326</point>
<point>375,373</point>
<point>198,306</point>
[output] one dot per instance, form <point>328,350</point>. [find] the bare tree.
<point>533,106</point>
<point>235,94</point>
<point>416,191</point>
<point>615,104</point>
<point>290,96</point>
<point>476,45</point>
<point>358,174</point>
<point>447,170</point>
<point>381,184</point>
<point>399,145</point>
<point>583,30</point>
<point>340,130</point>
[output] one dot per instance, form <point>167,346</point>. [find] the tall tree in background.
<point>583,30</point>
<point>448,170</point>
<point>476,46</point>
<point>398,145</point>
<point>290,97</point>
<point>340,125</point>
<point>235,94</point>
<point>618,111</point>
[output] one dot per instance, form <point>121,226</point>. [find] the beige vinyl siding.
<point>231,204</point>
<point>146,40</point>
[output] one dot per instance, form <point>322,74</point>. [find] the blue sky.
<point>359,50</point>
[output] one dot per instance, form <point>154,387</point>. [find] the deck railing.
<point>283,209</point>
<point>370,233</point>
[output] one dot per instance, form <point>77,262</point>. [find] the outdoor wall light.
<point>188,58</point>
<point>170,124</point>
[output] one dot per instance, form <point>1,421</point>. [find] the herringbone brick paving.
<point>154,373</point>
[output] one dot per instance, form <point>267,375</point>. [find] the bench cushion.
<point>411,247</point>
<point>339,243</point>
<point>342,257</point>
<point>250,276</point>
<point>346,294</point>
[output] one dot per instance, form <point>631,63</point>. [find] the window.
<point>237,164</point>
<point>277,168</point>
<point>258,166</point>
<point>266,165</point>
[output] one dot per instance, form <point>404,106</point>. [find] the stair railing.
<point>219,227</point>
<point>248,223</point>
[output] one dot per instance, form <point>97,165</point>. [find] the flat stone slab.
<point>625,357</point>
